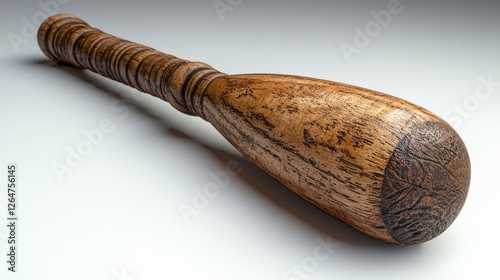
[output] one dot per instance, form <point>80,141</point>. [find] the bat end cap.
<point>426,183</point>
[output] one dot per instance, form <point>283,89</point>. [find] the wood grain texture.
<point>387,167</point>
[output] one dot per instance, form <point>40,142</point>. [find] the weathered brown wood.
<point>389,168</point>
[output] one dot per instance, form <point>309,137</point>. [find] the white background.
<point>116,215</point>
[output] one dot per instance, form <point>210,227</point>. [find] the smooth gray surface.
<point>116,215</point>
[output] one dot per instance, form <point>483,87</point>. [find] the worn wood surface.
<point>385,166</point>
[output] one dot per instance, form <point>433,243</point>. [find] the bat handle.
<point>65,38</point>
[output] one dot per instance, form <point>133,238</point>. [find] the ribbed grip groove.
<point>68,39</point>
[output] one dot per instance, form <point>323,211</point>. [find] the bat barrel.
<point>389,168</point>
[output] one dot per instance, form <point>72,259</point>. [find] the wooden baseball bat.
<point>387,167</point>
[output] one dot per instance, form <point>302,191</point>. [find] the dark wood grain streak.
<point>389,168</point>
